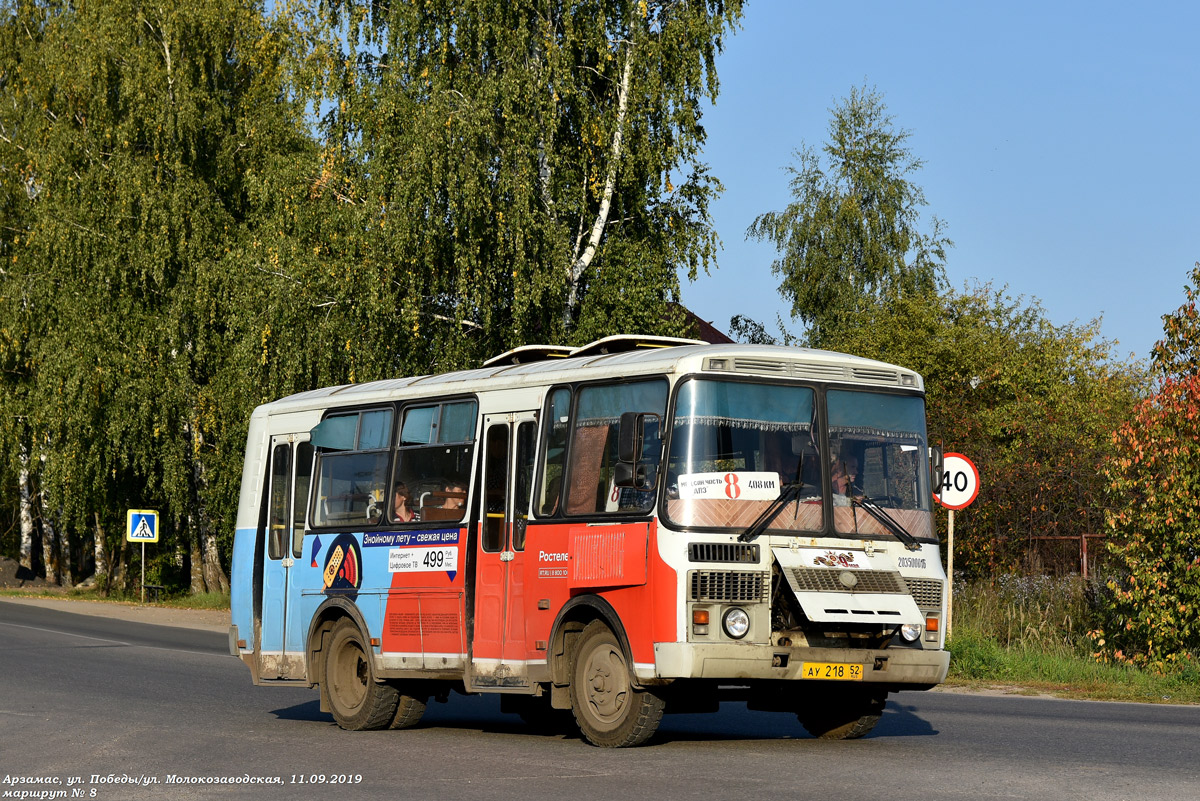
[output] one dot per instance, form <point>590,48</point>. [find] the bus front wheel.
<point>609,710</point>
<point>843,716</point>
<point>358,702</point>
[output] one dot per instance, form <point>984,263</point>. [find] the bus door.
<point>498,648</point>
<point>280,648</point>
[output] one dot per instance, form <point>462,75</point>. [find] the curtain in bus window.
<point>336,432</point>
<point>741,405</point>
<point>593,449</point>
<point>877,415</point>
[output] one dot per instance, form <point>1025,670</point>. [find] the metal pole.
<point>143,572</point>
<point>950,573</point>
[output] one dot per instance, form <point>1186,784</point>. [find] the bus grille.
<point>926,592</point>
<point>730,586</point>
<point>816,579</point>
<point>722,552</point>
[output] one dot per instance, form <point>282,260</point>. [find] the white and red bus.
<point>635,526</point>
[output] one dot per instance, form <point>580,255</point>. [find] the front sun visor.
<point>841,585</point>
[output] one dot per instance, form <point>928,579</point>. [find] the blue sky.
<point>1060,143</point>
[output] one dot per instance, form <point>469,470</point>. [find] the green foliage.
<point>851,238</point>
<point>514,169</point>
<point>1032,403</point>
<point>205,207</point>
<point>1153,616</point>
<point>1178,352</point>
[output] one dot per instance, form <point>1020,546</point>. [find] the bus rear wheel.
<point>358,702</point>
<point>843,717</point>
<point>409,709</point>
<point>609,710</point>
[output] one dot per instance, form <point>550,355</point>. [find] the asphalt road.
<point>89,696</point>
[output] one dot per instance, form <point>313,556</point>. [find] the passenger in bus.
<point>455,496</point>
<point>845,472</point>
<point>401,513</point>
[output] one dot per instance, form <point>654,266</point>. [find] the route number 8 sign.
<point>960,482</point>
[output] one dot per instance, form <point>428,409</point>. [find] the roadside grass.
<point>208,600</point>
<point>980,663</point>
<point>1028,635</point>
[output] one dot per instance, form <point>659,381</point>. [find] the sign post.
<point>141,525</point>
<point>960,487</point>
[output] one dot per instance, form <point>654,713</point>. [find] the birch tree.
<point>518,165</point>
<point>851,238</point>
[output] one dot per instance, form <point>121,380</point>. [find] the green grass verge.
<point>208,600</point>
<point>978,662</point>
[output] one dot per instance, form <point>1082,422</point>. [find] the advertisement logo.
<point>343,567</point>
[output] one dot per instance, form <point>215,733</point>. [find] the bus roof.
<point>593,362</point>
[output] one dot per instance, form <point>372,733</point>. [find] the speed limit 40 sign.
<point>960,482</point>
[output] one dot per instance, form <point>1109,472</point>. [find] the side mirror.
<point>629,437</point>
<point>631,470</point>
<point>632,475</point>
<point>936,468</point>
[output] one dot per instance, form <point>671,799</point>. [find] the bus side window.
<point>351,467</point>
<point>592,488</point>
<point>554,451</point>
<point>277,520</point>
<point>433,459</point>
<point>304,464</point>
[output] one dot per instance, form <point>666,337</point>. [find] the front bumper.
<point>892,666</point>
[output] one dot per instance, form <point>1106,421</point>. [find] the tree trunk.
<point>214,574</point>
<point>582,260</point>
<point>102,568</point>
<point>58,558</point>
<point>205,556</point>
<point>26,509</point>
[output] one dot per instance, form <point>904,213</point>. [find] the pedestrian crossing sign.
<point>142,525</point>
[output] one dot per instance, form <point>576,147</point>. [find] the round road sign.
<point>960,482</point>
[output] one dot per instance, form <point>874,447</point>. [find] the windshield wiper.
<point>887,521</point>
<point>789,493</point>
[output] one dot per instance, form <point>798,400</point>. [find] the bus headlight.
<point>736,623</point>
<point>911,631</point>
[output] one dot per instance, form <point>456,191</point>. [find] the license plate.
<point>832,671</point>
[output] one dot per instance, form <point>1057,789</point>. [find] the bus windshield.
<point>878,454</point>
<point>734,446</point>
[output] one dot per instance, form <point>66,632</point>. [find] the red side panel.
<point>618,562</point>
<point>423,611</point>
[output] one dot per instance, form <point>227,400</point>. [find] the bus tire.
<point>357,701</point>
<point>843,717</point>
<point>409,709</point>
<point>609,710</point>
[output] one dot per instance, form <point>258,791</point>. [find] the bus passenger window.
<point>592,488</point>
<point>277,522</point>
<point>554,451</point>
<point>433,460</point>
<point>352,463</point>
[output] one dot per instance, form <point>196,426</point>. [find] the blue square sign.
<point>142,525</point>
